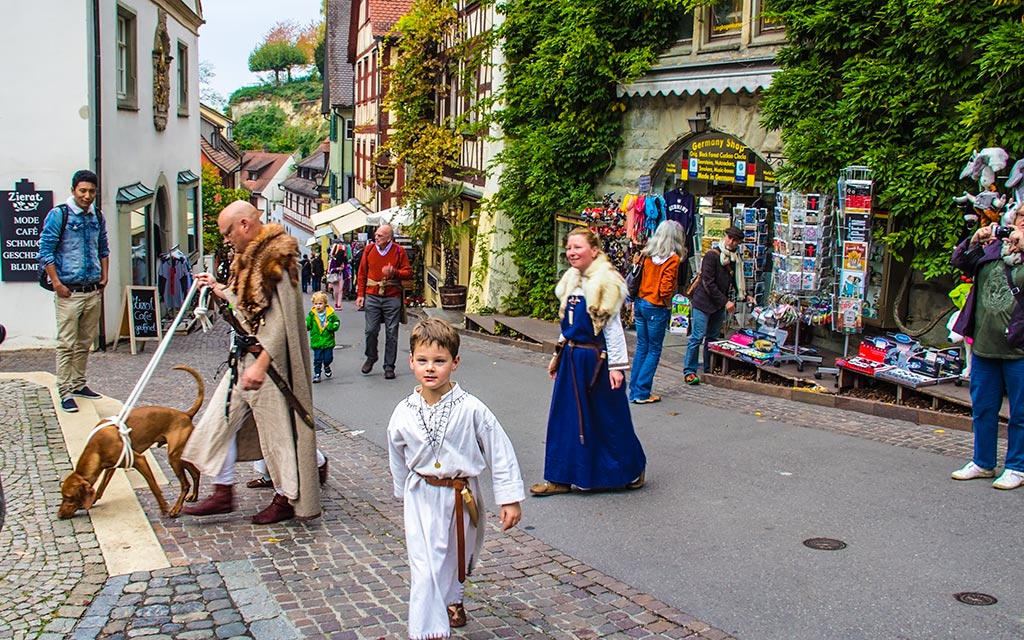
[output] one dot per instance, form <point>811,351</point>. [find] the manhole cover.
<point>824,544</point>
<point>975,599</point>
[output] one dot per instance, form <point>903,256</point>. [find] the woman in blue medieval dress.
<point>591,443</point>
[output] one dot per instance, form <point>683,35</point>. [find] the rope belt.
<point>381,285</point>
<point>463,495</point>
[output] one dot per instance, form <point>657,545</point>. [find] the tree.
<point>207,94</point>
<point>215,197</point>
<point>906,88</point>
<point>258,128</point>
<point>276,56</point>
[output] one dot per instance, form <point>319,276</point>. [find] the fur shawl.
<point>257,270</point>
<point>603,287</point>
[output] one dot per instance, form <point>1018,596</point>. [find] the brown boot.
<point>279,510</point>
<point>222,500</point>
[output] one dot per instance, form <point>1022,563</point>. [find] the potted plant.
<point>438,219</point>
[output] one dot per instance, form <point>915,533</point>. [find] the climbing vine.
<point>561,119</point>
<point>434,54</point>
<point>908,89</point>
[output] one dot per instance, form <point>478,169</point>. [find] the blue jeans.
<point>702,325</point>
<point>322,358</point>
<point>651,323</point>
<point>990,378</point>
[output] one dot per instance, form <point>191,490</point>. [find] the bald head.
<point>239,223</point>
<point>383,234</point>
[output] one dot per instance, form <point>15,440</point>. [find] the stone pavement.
<point>341,576</point>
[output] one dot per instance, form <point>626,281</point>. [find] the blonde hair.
<point>588,235</point>
<point>434,331</point>
<point>318,296</point>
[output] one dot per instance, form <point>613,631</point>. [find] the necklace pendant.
<point>437,465</point>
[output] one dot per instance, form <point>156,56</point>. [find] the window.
<point>684,33</point>
<point>140,246</point>
<point>726,19</point>
<point>767,24</point>
<point>192,219</point>
<point>350,128</point>
<point>182,79</point>
<point>126,59</point>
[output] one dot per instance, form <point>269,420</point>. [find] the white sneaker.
<point>1009,480</point>
<point>970,471</point>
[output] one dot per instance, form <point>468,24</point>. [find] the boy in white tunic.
<point>440,439</point>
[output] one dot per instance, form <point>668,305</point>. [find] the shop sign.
<point>383,173</point>
<point>22,213</point>
<point>725,159</point>
<point>644,184</point>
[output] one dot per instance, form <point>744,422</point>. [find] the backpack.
<point>44,278</point>
<point>635,275</point>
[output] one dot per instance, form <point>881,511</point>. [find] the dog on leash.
<point>149,426</point>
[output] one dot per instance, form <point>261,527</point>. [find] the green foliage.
<point>298,91</point>
<point>431,48</point>
<point>277,56</point>
<point>561,120</point>
<point>215,197</point>
<point>267,127</point>
<point>906,88</point>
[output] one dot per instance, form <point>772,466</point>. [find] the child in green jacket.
<point>322,323</point>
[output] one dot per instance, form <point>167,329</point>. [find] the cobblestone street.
<point>341,576</point>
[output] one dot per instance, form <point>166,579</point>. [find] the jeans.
<point>389,311</point>
<point>990,378</point>
<point>322,358</point>
<point>702,325</point>
<point>651,323</point>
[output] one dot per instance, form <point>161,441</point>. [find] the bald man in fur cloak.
<point>264,291</point>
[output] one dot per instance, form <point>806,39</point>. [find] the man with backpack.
<point>74,253</point>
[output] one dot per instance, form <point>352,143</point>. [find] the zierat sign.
<point>22,213</point>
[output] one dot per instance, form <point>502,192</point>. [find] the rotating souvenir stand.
<point>853,247</point>
<point>801,255</point>
<point>754,249</point>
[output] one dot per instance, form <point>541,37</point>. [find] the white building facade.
<point>107,86</point>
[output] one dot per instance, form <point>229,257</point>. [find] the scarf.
<point>726,256</point>
<point>257,270</point>
<point>603,288</point>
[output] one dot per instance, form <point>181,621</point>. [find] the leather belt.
<point>460,485</point>
<point>83,288</point>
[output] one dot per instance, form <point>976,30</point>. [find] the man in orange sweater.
<point>379,292</point>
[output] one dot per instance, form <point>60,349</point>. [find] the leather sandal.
<point>260,483</point>
<point>456,615</point>
<point>648,400</point>
<point>549,488</point>
<point>639,482</point>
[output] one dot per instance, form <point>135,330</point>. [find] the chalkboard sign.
<point>140,316</point>
<point>22,213</point>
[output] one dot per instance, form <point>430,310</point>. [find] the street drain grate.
<point>824,544</point>
<point>975,599</point>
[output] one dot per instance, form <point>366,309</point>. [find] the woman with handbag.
<point>590,443</point>
<point>652,307</point>
<point>990,316</point>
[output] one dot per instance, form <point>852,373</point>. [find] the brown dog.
<point>149,426</point>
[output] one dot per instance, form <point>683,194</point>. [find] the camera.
<point>1002,231</point>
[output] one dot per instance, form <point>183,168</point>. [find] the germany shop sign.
<point>22,213</point>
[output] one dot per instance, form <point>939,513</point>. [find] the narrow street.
<point>711,548</point>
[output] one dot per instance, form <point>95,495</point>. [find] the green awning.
<point>133,193</point>
<point>187,177</point>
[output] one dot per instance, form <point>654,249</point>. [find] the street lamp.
<point>700,122</point>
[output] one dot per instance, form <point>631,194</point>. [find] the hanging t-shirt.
<point>681,207</point>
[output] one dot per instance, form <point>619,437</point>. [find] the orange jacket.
<point>658,281</point>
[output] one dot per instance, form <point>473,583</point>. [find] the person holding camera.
<point>993,258</point>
